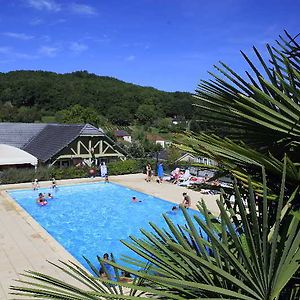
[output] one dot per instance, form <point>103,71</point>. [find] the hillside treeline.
<point>27,96</point>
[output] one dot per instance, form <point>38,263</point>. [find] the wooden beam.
<point>73,151</point>
<point>71,156</point>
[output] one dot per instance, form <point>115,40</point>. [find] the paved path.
<point>25,245</point>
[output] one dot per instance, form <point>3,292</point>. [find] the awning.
<point>10,155</point>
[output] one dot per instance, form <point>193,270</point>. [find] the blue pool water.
<point>90,219</point>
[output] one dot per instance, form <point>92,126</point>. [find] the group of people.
<point>103,172</point>
<point>160,173</point>
<point>36,185</point>
<point>186,203</point>
<point>42,197</point>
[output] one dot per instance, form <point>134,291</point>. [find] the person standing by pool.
<point>107,270</point>
<point>54,185</point>
<point>35,184</point>
<point>101,270</point>
<point>148,172</point>
<point>186,202</point>
<point>106,178</point>
<point>103,170</point>
<point>160,172</point>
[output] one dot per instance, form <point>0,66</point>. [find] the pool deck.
<point>25,245</point>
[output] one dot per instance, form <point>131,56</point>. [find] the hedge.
<point>129,166</point>
<point>46,173</point>
<point>42,173</point>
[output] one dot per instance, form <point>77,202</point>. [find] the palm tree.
<point>252,250</point>
<point>235,256</point>
<point>261,114</point>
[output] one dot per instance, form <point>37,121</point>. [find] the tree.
<point>264,113</point>
<point>164,125</point>
<point>146,113</point>
<point>27,115</point>
<point>135,149</point>
<point>78,114</point>
<point>119,115</point>
<point>251,251</point>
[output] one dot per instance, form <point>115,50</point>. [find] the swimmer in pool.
<point>135,199</point>
<point>173,211</point>
<point>40,200</point>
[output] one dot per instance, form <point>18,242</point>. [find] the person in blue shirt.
<point>160,172</point>
<point>109,270</point>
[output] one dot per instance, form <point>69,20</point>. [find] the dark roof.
<point>89,130</point>
<point>44,140</point>
<point>52,139</point>
<point>19,134</point>
<point>121,133</point>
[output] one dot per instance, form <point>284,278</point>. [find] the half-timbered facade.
<point>61,144</point>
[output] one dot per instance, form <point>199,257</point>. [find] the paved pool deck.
<point>25,245</point>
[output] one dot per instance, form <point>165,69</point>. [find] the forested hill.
<point>29,95</point>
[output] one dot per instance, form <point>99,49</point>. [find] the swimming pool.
<point>91,219</point>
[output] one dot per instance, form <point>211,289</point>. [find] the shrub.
<point>126,167</point>
<point>42,173</point>
<point>24,175</point>
<point>68,173</point>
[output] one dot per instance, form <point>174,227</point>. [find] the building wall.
<point>127,138</point>
<point>87,148</point>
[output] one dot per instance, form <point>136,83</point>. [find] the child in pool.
<point>173,211</point>
<point>135,199</point>
<point>40,200</point>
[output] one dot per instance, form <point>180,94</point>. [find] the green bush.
<point>69,173</point>
<point>24,175</point>
<point>126,167</point>
<point>42,173</point>
<point>46,173</point>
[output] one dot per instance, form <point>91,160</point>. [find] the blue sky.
<point>167,44</point>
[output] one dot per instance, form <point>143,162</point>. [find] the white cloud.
<point>83,9</point>
<point>48,51</point>
<point>130,58</point>
<point>25,55</point>
<point>49,5</point>
<point>78,47</point>
<point>11,55</point>
<point>20,36</point>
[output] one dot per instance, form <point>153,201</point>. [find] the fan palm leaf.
<point>239,255</point>
<point>266,108</point>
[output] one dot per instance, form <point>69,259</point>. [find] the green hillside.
<point>27,96</point>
